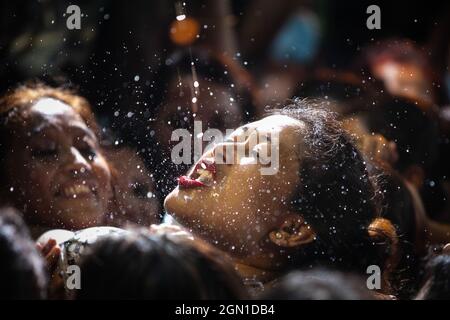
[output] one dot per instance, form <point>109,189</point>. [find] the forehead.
<point>49,112</point>
<point>50,107</point>
<point>290,132</point>
<point>278,123</point>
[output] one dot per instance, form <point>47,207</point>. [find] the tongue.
<point>187,182</point>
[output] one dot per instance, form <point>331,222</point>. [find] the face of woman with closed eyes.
<point>56,171</point>
<point>233,205</point>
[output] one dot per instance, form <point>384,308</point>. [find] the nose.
<point>77,164</point>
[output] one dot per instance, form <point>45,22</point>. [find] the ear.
<point>292,232</point>
<point>446,249</point>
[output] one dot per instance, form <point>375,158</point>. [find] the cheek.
<point>34,174</point>
<point>102,172</point>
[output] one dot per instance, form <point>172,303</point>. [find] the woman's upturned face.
<point>56,171</point>
<point>238,206</point>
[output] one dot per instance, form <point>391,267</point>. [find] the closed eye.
<point>44,153</point>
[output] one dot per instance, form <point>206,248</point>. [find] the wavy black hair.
<point>337,197</point>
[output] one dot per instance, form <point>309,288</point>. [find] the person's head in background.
<point>197,85</point>
<point>319,284</point>
<point>437,279</point>
<point>52,167</point>
<point>135,197</point>
<point>403,68</point>
<point>162,268</point>
<point>22,269</point>
<point>343,91</point>
<point>407,134</point>
<point>414,132</point>
<point>399,203</point>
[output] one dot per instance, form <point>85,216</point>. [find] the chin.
<point>175,206</point>
<point>174,203</point>
<point>80,218</point>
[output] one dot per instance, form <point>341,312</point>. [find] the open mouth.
<point>76,190</point>
<point>203,175</point>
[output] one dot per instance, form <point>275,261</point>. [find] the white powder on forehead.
<point>51,107</point>
<point>275,122</point>
<point>52,112</point>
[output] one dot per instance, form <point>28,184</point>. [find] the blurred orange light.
<point>184,32</point>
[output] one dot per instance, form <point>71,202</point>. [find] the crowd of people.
<point>362,183</point>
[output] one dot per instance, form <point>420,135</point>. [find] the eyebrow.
<point>79,131</point>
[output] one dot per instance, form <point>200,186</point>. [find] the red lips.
<point>186,182</point>
<point>190,181</point>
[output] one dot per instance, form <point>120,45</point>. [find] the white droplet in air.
<point>136,78</point>
<point>196,84</point>
<point>181,17</point>
<point>11,189</point>
<point>194,99</point>
<point>149,194</point>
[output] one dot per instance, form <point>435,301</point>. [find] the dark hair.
<point>337,196</point>
<point>437,280</point>
<point>397,205</point>
<point>139,266</point>
<point>414,131</point>
<point>23,96</point>
<point>318,284</point>
<point>22,269</point>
